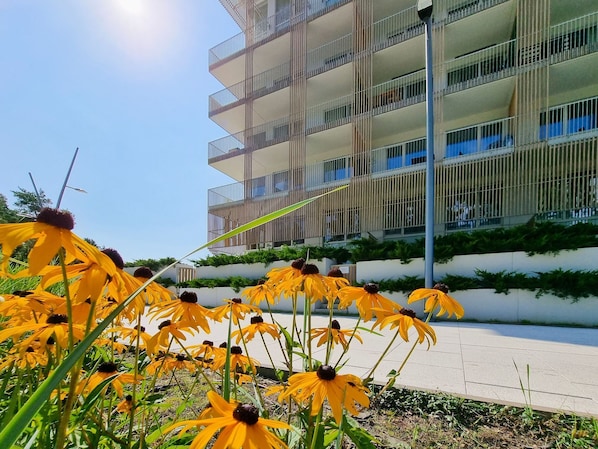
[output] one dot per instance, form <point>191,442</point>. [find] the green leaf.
<point>359,436</point>
<point>93,397</point>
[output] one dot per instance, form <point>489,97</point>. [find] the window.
<point>474,208</point>
<point>551,124</point>
<point>339,113</point>
<point>258,187</point>
<point>341,225</point>
<point>281,132</point>
<point>415,152</point>
<point>464,141</point>
<point>582,116</point>
<point>404,217</point>
<point>336,169</point>
<point>280,181</point>
<point>394,157</point>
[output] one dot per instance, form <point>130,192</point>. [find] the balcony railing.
<point>399,92</point>
<point>227,146</point>
<point>226,49</point>
<point>330,55</point>
<point>458,9</point>
<point>231,193</point>
<point>483,66</point>
<point>483,137</point>
<point>563,121</point>
<point>570,39</point>
<point>397,28</point>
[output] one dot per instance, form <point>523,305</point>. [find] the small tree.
<point>28,203</point>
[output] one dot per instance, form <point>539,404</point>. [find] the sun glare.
<point>133,7</point>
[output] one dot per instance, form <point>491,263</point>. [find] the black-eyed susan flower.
<point>335,335</point>
<point>169,363</point>
<point>167,330</point>
<point>184,309</point>
<point>51,231</point>
<point>257,326</point>
<point>342,391</point>
<point>203,352</point>
<point>276,276</point>
<point>235,308</point>
<point>27,358</point>
<point>404,319</point>
<point>55,326</point>
<point>104,371</point>
<point>437,296</point>
<point>240,426</point>
<point>238,361</point>
<point>335,280</point>
<point>263,291</point>
<point>131,335</point>
<point>366,299</point>
<point>126,405</point>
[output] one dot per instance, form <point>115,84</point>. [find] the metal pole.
<point>429,228</point>
<point>66,179</point>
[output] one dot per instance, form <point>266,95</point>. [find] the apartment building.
<point>322,93</point>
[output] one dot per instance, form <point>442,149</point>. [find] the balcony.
<point>329,173</point>
<point>483,66</point>
<point>226,195</point>
<point>458,9</point>
<point>472,141</point>
<point>397,28</point>
<point>399,92</point>
<point>569,121</point>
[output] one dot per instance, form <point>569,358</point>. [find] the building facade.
<point>322,93</point>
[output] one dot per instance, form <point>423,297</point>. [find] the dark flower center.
<point>335,273</point>
<point>50,341</point>
<point>237,300</point>
<point>115,257</point>
<point>190,297</point>
<point>58,218</point>
<point>29,349</point>
<point>181,357</point>
<point>407,312</point>
<point>298,263</point>
<point>140,328</point>
<point>222,345</point>
<point>107,367</point>
<point>256,319</point>
<point>143,272</point>
<point>442,287</point>
<point>21,293</point>
<point>128,398</point>
<point>335,325</point>
<point>309,268</point>
<point>57,318</point>
<point>208,343</point>
<point>371,287</point>
<point>326,372</point>
<point>236,350</point>
<point>247,413</point>
<point>163,324</point>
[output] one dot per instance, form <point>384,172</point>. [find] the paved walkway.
<point>473,360</point>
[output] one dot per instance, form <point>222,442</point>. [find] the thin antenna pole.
<point>39,198</point>
<point>66,179</point>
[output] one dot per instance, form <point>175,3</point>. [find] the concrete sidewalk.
<point>473,360</point>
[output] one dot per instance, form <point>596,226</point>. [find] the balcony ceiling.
<point>574,79</point>
<point>386,8</point>
<point>330,85</point>
<point>231,72</point>
<point>271,54</point>
<point>406,57</point>
<point>271,107</point>
<point>329,144</point>
<point>480,30</point>
<point>563,10</point>
<point>232,167</point>
<point>271,159</point>
<point>473,103</point>
<point>329,27</point>
<point>400,125</point>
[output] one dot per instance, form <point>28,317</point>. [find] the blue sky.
<point>126,82</point>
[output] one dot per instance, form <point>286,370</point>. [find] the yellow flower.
<point>310,282</point>
<point>168,363</point>
<point>405,319</point>
<point>341,391</point>
<point>235,308</point>
<point>278,275</point>
<point>108,370</point>
<point>335,335</point>
<point>167,329</point>
<point>51,230</point>
<point>184,309</point>
<point>367,300</point>
<point>204,352</point>
<point>56,326</point>
<point>126,405</point>
<point>257,325</point>
<point>237,360</point>
<point>335,281</point>
<point>240,427</point>
<point>29,357</point>
<point>264,291</point>
<point>131,335</point>
<point>437,296</point>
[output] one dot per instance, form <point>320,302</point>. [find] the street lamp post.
<point>424,11</point>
